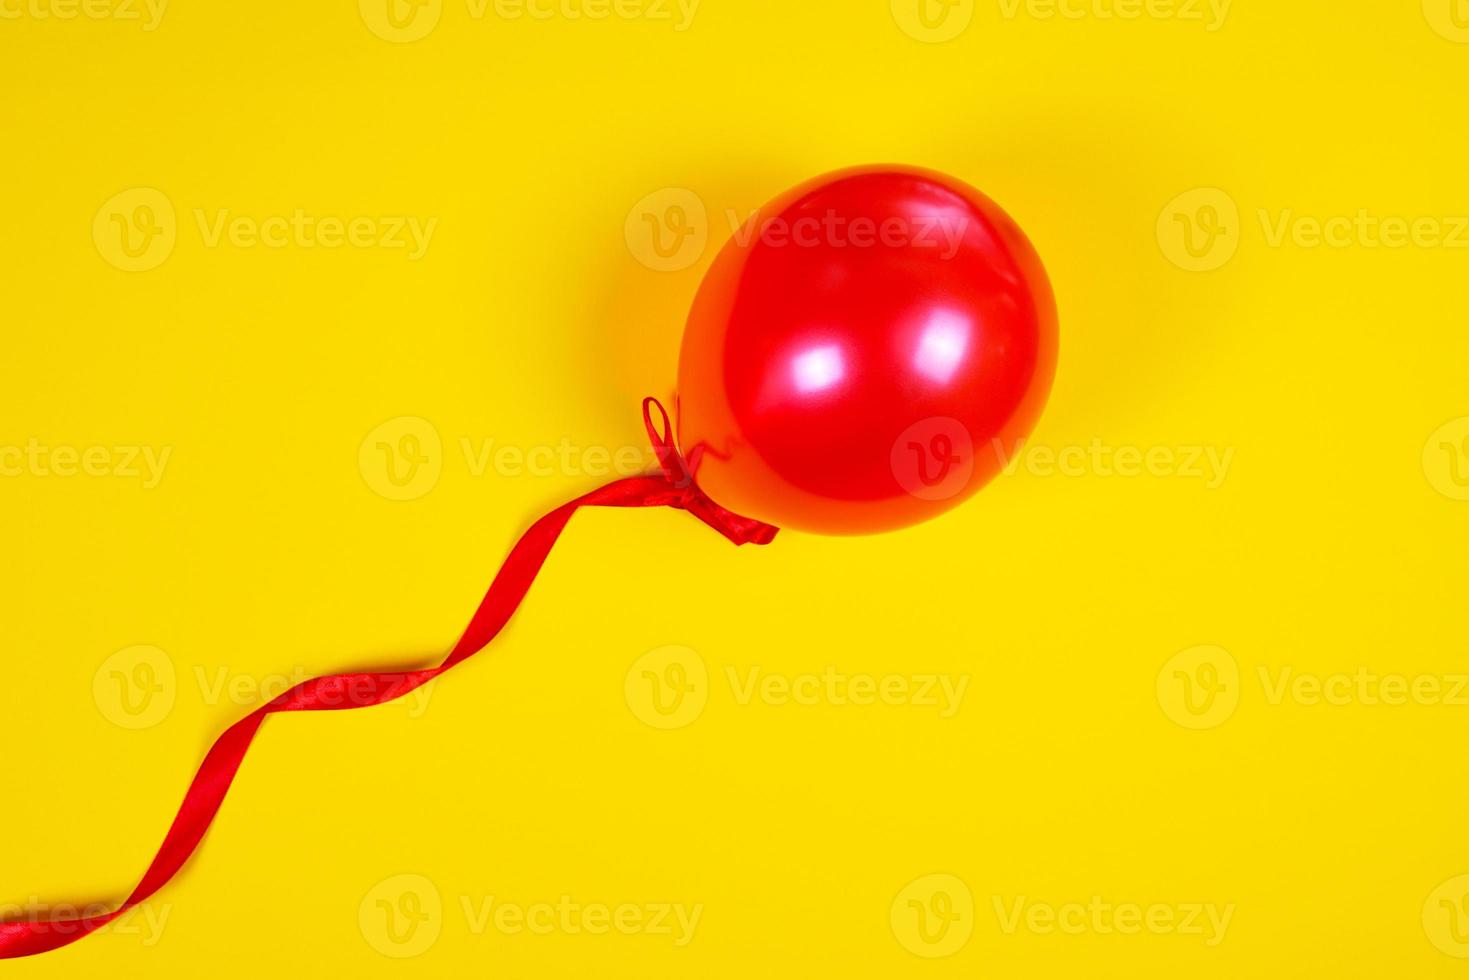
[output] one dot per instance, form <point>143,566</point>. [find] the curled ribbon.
<point>673,487</point>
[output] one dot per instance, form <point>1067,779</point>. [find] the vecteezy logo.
<point>668,230</point>
<point>401,916</point>
<point>1446,917</point>
<point>933,459</point>
<point>400,21</point>
<point>667,687</point>
<point>136,229</point>
<point>402,458</point>
<point>1446,459</point>
<point>135,687</point>
<point>1199,230</point>
<point>933,21</point>
<point>1449,18</point>
<point>1199,687</point>
<point>933,916</point>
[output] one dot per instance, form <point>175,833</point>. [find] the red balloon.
<point>865,353</point>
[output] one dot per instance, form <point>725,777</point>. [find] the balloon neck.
<point>686,492</point>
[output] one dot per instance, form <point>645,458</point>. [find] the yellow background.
<point>1073,767</point>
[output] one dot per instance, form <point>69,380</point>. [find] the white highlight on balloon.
<point>818,369</point>
<point>941,347</point>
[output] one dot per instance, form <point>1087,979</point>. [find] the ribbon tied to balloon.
<point>863,356</point>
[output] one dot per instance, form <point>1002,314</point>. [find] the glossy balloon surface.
<point>865,353</point>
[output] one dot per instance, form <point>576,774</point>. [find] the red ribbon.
<point>674,487</point>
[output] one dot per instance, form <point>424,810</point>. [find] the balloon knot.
<point>685,492</point>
